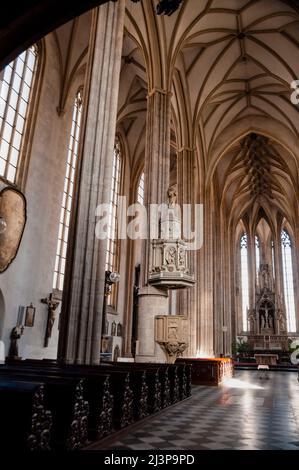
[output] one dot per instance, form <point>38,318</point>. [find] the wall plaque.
<point>13,213</point>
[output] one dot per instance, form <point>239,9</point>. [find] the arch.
<point>26,25</point>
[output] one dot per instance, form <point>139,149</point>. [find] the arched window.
<point>273,258</point>
<point>15,95</point>
<point>112,241</point>
<point>288,281</point>
<point>257,255</point>
<point>244,279</point>
<point>140,189</point>
<point>67,197</point>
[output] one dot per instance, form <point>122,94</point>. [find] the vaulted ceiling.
<point>229,64</point>
<point>256,173</point>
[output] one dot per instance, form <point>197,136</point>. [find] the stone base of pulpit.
<point>171,333</point>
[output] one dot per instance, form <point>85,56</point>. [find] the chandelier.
<point>166,7</point>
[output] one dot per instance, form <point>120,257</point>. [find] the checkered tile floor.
<point>244,413</point>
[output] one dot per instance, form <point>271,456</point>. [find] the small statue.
<point>266,317</point>
<point>116,353</point>
<point>15,335</point>
<point>113,329</point>
<point>281,321</point>
<point>182,257</point>
<point>266,277</point>
<point>119,329</point>
<point>251,320</point>
<point>172,195</point>
<point>170,255</point>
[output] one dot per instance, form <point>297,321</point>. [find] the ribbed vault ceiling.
<point>229,64</point>
<point>258,173</point>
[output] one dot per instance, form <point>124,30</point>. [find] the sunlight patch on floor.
<point>237,383</point>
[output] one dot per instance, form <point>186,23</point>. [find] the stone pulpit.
<point>169,270</point>
<point>171,332</point>
<point>169,262</point>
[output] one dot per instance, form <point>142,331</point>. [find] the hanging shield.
<point>13,212</point>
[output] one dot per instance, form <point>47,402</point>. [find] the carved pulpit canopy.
<point>12,224</point>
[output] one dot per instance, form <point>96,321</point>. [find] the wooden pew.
<point>63,396</point>
<point>25,422</point>
<point>119,382</point>
<point>96,391</point>
<point>175,379</point>
<point>118,393</point>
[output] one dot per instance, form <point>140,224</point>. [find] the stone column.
<point>153,301</point>
<point>80,330</point>
<point>206,285</point>
<point>186,299</point>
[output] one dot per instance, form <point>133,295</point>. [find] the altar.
<point>209,371</point>
<point>267,319</point>
<point>266,359</point>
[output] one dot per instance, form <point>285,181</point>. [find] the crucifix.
<point>52,306</point>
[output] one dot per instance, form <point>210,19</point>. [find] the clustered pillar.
<point>154,301</point>
<point>80,329</point>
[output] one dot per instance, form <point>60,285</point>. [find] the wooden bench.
<point>96,391</point>
<point>63,396</point>
<point>25,422</point>
<point>120,384</point>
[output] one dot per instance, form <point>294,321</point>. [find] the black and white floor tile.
<point>246,412</point>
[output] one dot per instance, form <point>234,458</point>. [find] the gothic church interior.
<point>115,107</point>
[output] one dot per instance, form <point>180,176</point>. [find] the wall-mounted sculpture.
<point>113,329</point>
<point>13,220</point>
<point>119,329</point>
<point>52,304</point>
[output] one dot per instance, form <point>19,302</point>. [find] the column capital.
<point>186,149</point>
<point>158,90</point>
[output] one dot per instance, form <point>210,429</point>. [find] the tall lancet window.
<point>244,280</point>
<point>15,96</point>
<point>273,258</point>
<point>140,189</point>
<point>112,257</point>
<point>67,197</point>
<point>257,255</point>
<point>288,280</point>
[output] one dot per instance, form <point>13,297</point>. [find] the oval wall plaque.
<point>13,211</point>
